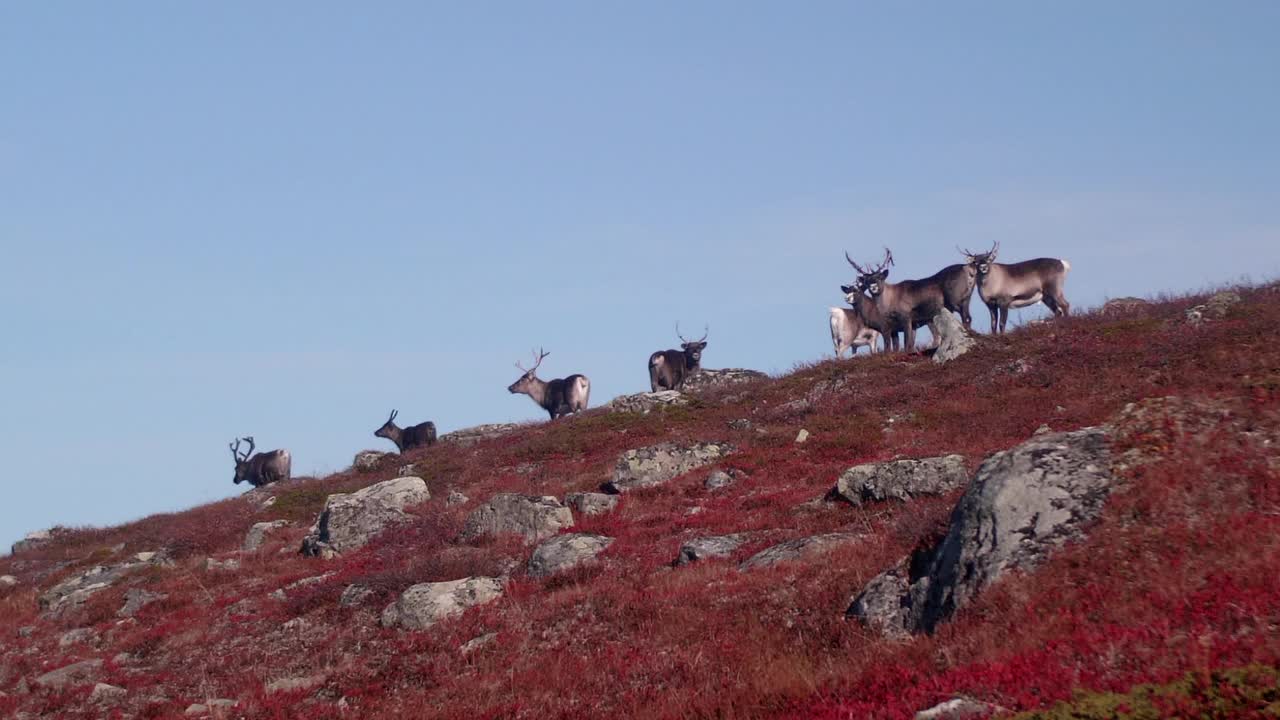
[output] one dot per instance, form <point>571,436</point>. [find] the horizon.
<point>242,222</point>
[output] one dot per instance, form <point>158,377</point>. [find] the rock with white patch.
<point>657,464</point>
<point>900,479</point>
<point>564,552</point>
<point>259,533</point>
<point>351,520</point>
<point>953,338</point>
<point>531,516</point>
<point>71,593</point>
<point>367,460</point>
<point>710,379</point>
<point>85,636</point>
<point>79,673</point>
<point>718,480</point>
<point>135,599</point>
<point>421,606</point>
<point>957,709</point>
<point>798,549</point>
<point>472,435</point>
<point>8,581</point>
<point>591,503</point>
<point>645,403</point>
<point>704,548</point>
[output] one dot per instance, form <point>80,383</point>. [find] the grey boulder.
<point>258,533</point>
<point>563,552</point>
<point>591,503</point>
<point>900,479</point>
<point>531,516</point>
<point>351,520</point>
<point>709,547</point>
<point>953,339</point>
<point>798,549</point>
<point>657,464</point>
<point>423,605</point>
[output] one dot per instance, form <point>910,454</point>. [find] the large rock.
<point>709,547</point>
<point>566,551</point>
<point>423,605</point>
<point>531,516</point>
<point>35,539</point>
<point>135,599</point>
<point>645,403</point>
<point>81,673</point>
<point>350,520</point>
<point>591,503</point>
<point>1124,306</point>
<point>708,379</point>
<point>1024,503</point>
<point>1215,308</point>
<point>257,534</point>
<point>798,549</point>
<point>900,479</point>
<point>953,339</point>
<point>472,435</point>
<point>656,464</point>
<point>367,460</point>
<point>72,592</point>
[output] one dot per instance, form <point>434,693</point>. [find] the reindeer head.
<point>693,348</point>
<point>530,378</point>
<point>388,428</point>
<point>242,461</point>
<point>871,280</point>
<point>981,262</point>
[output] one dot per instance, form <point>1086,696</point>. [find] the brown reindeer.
<point>261,469</point>
<point>669,368</point>
<point>558,397</point>
<point>902,306</point>
<point>419,435</point>
<point>1002,286</point>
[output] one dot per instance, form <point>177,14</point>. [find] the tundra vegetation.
<point>1166,605</point>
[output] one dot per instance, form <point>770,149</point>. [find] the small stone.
<point>709,547</point>
<point>297,624</point>
<point>8,581</point>
<point>455,498</point>
<point>802,436</point>
<point>1043,429</point>
<point>355,595</point>
<point>407,470</point>
<point>563,552</point>
<point>956,709</point>
<point>135,599</point>
<point>103,691</point>
<point>79,635</point>
<point>145,557</point>
<point>26,631</point>
<point>797,549</point>
<point>367,460</point>
<point>740,424</point>
<point>228,565</point>
<point>718,479</point>
<point>591,503</point>
<point>257,534</point>
<point>295,684</point>
<point>75,673</point>
<point>477,643</point>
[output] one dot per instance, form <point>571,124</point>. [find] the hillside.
<point>1174,580</point>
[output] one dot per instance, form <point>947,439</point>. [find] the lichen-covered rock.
<point>531,516</point>
<point>709,379</point>
<point>953,339</point>
<point>135,599</point>
<point>798,549</point>
<point>72,592</point>
<point>426,604</point>
<point>709,547</point>
<point>354,595</point>
<point>259,532</point>
<point>1024,503</point>
<point>367,460</point>
<point>1215,308</point>
<point>455,498</point>
<point>563,552</point>
<point>657,464</point>
<point>900,479</point>
<point>79,635</point>
<point>882,605</point>
<point>645,403</point>
<point>718,480</point>
<point>8,581</point>
<point>350,520</point>
<point>35,539</point>
<point>80,673</point>
<point>472,435</point>
<point>957,709</point>
<point>591,503</point>
<point>1124,306</point>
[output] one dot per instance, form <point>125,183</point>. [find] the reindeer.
<point>903,306</point>
<point>558,397</point>
<point>669,368</point>
<point>261,469</point>
<point>849,328</point>
<point>408,438</point>
<point>1018,285</point>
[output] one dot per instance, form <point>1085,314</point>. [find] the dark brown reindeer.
<point>558,397</point>
<point>902,306</point>
<point>1017,285</point>
<point>261,469</point>
<point>669,368</point>
<point>408,438</point>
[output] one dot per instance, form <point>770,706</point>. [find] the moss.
<point>1251,691</point>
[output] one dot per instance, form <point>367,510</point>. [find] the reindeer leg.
<point>995,315</point>
<point>1004,317</point>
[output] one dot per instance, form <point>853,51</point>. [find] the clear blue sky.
<point>284,219</point>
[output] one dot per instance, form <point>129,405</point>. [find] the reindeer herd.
<point>879,312</point>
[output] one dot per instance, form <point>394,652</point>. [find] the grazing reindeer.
<point>1018,285</point>
<point>902,306</point>
<point>407,438</point>
<point>261,469</point>
<point>850,330</point>
<point>669,368</point>
<point>558,397</point>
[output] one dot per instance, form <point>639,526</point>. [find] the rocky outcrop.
<point>592,503</point>
<point>135,599</point>
<point>1215,308</point>
<point>708,379</point>
<point>35,539</point>
<point>423,605</point>
<point>531,516</point>
<point>563,552</point>
<point>953,339</point>
<point>351,520</point>
<point>797,549</point>
<point>656,464</point>
<point>367,460</point>
<point>258,533</point>
<point>645,403</point>
<point>1024,503</point>
<point>72,592</point>
<point>1124,306</point>
<point>900,479</point>
<point>472,435</point>
<point>80,673</point>
<point>717,546</point>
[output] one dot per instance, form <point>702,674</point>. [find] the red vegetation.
<point>1179,575</point>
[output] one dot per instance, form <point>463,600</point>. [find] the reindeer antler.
<point>394,412</point>
<point>541,354</point>
<point>861,270</point>
<point>249,439</point>
<point>888,260</point>
<point>706,331</point>
<point>235,449</point>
